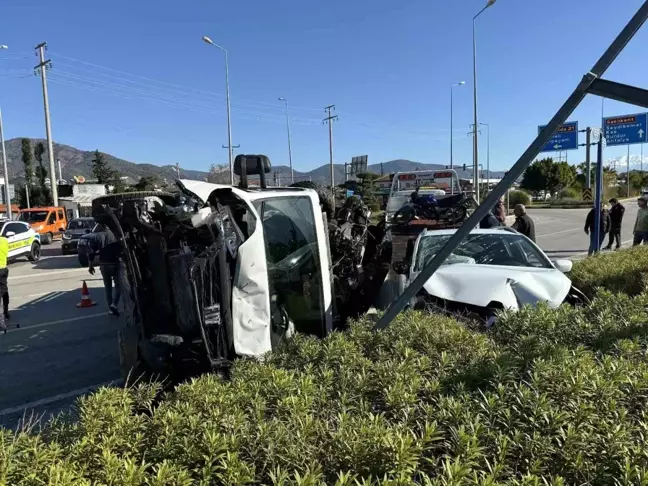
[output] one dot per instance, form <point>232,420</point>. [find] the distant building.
<point>79,204</point>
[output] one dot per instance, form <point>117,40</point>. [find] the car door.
<point>17,235</point>
<point>61,222</point>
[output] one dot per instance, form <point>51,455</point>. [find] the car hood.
<point>512,287</point>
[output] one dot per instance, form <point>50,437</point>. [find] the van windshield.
<point>33,216</point>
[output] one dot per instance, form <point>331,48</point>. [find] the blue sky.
<point>133,78</point>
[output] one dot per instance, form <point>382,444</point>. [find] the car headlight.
<point>66,236</point>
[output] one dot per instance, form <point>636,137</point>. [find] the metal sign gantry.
<point>591,83</point>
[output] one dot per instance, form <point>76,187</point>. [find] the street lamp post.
<point>4,161</point>
<point>460,83</point>
<point>292,174</point>
<point>487,153</point>
<point>229,119</point>
<point>475,121</point>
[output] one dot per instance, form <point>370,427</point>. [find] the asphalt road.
<point>59,351</point>
<point>559,232</point>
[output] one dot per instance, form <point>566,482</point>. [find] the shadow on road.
<point>58,262</point>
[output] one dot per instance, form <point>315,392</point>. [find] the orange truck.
<point>48,222</point>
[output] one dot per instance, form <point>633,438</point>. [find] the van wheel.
<point>34,253</point>
<point>47,238</point>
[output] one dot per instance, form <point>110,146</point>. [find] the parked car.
<point>23,240</point>
<point>75,230</point>
<point>492,269</point>
<point>49,222</point>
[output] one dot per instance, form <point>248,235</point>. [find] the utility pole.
<point>628,172</point>
<point>59,168</point>
<point>6,171</point>
<point>42,68</point>
<point>177,169</point>
<point>230,149</point>
<point>329,119</point>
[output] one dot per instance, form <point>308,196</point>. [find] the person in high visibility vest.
<point>4,276</point>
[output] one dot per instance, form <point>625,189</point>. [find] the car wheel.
<point>48,238</point>
<point>34,252</point>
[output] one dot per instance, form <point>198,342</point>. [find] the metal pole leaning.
<point>518,168</point>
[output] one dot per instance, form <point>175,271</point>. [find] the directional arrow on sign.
<point>557,146</point>
<point>641,132</point>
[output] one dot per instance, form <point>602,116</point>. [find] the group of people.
<point>610,221</point>
<point>497,217</point>
<point>611,218</point>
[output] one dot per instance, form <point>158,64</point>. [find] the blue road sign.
<point>626,129</point>
<point>565,138</point>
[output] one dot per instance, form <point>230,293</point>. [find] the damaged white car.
<point>491,270</point>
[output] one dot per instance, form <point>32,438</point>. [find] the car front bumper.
<point>69,245</point>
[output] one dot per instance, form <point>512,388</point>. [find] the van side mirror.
<point>401,267</point>
<point>10,234</point>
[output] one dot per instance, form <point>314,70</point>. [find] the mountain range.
<point>76,162</point>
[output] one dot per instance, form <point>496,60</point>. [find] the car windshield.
<point>80,224</point>
<point>484,249</point>
<point>33,216</point>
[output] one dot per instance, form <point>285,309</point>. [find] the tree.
<point>534,179</point>
<point>27,161</point>
<point>41,173</point>
<point>547,175</point>
<point>38,196</point>
<point>218,174</point>
<point>367,189</point>
<point>560,176</point>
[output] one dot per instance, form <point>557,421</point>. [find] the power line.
<point>242,100</point>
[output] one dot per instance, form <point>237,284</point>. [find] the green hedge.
<point>547,397</point>
<point>621,271</point>
<point>519,197</point>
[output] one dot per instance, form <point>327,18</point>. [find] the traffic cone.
<point>86,301</point>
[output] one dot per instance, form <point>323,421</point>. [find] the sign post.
<point>564,138</point>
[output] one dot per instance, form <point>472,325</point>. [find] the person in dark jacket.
<point>523,222</point>
<point>104,244</point>
<point>616,217</point>
<point>604,228</point>
<point>499,212</point>
<point>489,221</point>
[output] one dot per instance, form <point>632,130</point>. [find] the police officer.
<point>4,276</point>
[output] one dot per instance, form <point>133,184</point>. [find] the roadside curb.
<point>575,206</point>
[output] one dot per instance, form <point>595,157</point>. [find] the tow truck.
<point>441,183</point>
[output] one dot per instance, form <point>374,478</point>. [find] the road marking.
<point>61,321</point>
<point>47,274</point>
<point>558,232</point>
<point>55,398</point>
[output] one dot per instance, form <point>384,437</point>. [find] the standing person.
<point>4,286</point>
<point>616,218</point>
<point>523,222</point>
<point>605,223</point>
<point>104,243</point>
<point>499,212</point>
<point>641,223</point>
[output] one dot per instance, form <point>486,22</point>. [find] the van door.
<point>61,222</point>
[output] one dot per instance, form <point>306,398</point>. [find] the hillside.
<point>76,162</point>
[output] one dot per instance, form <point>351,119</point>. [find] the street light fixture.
<point>460,83</point>
<point>229,119</point>
<point>4,161</point>
<point>475,121</point>
<point>292,174</point>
